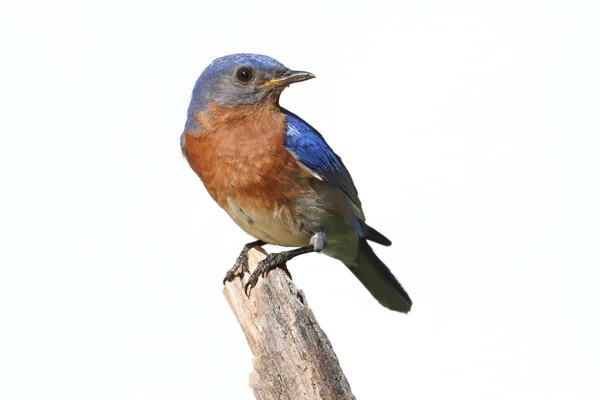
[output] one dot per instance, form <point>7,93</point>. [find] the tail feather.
<point>379,280</point>
<point>372,234</point>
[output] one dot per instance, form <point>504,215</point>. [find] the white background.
<point>471,131</point>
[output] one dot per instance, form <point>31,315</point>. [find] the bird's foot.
<point>240,268</point>
<point>271,262</point>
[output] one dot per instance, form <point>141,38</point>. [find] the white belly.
<point>279,227</point>
<point>294,225</point>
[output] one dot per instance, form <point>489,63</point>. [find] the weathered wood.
<point>293,358</point>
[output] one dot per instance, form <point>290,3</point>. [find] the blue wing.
<point>310,149</point>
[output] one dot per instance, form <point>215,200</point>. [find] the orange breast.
<point>240,157</point>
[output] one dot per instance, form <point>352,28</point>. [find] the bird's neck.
<point>216,117</point>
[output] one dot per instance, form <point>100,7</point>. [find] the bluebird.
<point>275,175</point>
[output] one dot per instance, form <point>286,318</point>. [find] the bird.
<point>276,176</point>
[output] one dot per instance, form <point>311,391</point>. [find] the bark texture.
<point>293,358</point>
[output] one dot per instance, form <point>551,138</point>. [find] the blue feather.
<point>310,149</point>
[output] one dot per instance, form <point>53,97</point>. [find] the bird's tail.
<point>378,279</point>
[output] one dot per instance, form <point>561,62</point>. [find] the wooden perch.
<point>293,358</point>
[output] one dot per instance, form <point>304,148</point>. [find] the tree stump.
<point>293,358</point>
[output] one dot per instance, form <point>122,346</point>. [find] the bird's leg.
<point>275,260</point>
<point>241,262</point>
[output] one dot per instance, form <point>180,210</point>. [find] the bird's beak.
<point>288,78</point>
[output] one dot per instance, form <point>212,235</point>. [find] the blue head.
<point>240,79</point>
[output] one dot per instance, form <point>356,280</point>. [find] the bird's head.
<point>242,79</point>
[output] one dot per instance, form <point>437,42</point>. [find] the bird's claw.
<point>241,263</point>
<point>272,261</point>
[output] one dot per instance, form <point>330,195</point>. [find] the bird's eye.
<point>244,74</point>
